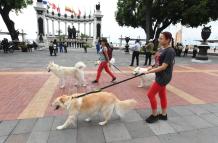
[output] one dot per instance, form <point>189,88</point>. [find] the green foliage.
<point>6,6</point>
<point>156,15</point>
<point>16,5</point>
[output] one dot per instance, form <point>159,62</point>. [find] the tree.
<point>156,15</point>
<point>6,6</point>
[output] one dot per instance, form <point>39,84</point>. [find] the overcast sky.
<point>27,21</point>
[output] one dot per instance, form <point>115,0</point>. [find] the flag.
<point>68,9</point>
<point>54,7</point>
<point>58,9</point>
<point>45,2</point>
<point>79,13</point>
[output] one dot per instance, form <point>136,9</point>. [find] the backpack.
<point>109,52</point>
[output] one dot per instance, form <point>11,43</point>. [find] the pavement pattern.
<point>27,91</point>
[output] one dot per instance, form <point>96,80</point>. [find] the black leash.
<point>119,70</point>
<point>99,90</point>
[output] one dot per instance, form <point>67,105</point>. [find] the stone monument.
<point>205,34</point>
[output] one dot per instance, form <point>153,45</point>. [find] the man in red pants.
<point>163,76</point>
<point>104,58</point>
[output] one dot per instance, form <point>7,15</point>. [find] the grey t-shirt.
<point>166,56</point>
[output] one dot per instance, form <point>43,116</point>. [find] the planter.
<point>205,34</point>
<point>24,49</point>
<point>202,55</point>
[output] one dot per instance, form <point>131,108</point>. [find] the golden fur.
<point>103,102</point>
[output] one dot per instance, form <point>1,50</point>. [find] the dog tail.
<point>121,107</point>
<point>80,65</point>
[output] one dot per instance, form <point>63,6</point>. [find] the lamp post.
<point>127,45</point>
<point>205,34</point>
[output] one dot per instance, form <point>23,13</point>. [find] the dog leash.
<point>102,88</point>
<point>119,70</point>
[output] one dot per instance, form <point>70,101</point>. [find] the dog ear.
<point>62,100</point>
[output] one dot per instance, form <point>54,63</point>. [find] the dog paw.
<point>102,123</point>
<point>140,86</point>
<point>59,127</point>
<point>61,87</point>
<point>88,120</point>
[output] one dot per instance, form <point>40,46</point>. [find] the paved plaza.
<point>27,90</point>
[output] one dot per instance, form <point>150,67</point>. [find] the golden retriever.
<point>103,102</point>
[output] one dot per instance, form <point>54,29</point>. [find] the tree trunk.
<point>157,34</point>
<point>10,24</point>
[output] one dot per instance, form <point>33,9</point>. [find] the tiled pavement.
<point>192,97</point>
<point>24,91</point>
<point>185,124</point>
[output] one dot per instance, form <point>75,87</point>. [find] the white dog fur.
<point>112,61</point>
<point>62,72</point>
<point>145,80</point>
<point>88,106</point>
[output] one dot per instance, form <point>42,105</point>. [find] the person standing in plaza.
<point>85,45</point>
<point>65,46</point>
<point>195,51</point>
<point>105,61</point>
<point>149,50</point>
<point>186,51</point>
<point>163,71</point>
<point>55,47</point>
<point>136,51</point>
<point>61,46</point>
<point>98,46</point>
<point>51,48</point>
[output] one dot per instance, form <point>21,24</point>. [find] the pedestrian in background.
<point>186,51</point>
<point>136,51</point>
<point>149,50</point>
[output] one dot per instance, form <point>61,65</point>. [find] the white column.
<point>47,27</point>
<point>85,28</point>
<point>90,29</point>
<point>59,27</point>
<point>94,31</point>
<point>65,27</point>
<point>53,32</point>
<point>79,27</point>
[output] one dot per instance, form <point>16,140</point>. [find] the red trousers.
<point>103,65</point>
<point>161,90</point>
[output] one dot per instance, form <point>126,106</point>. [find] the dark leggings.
<point>148,58</point>
<point>135,55</point>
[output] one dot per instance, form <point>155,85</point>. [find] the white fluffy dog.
<point>62,72</point>
<point>88,106</point>
<point>112,62</point>
<point>147,79</point>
